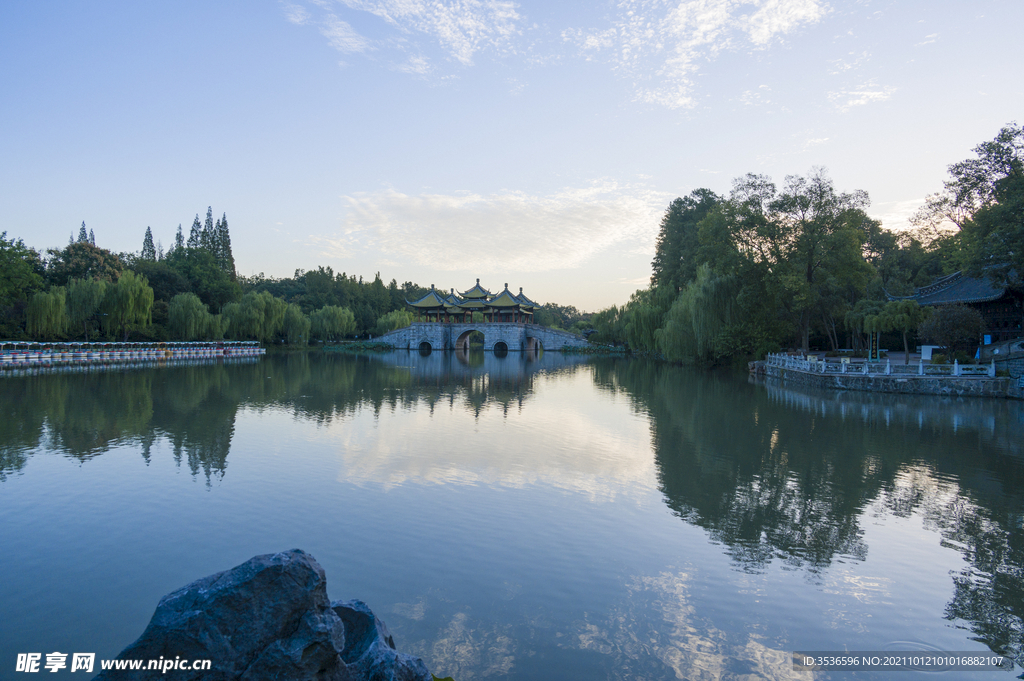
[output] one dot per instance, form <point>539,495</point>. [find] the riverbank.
<point>884,377</point>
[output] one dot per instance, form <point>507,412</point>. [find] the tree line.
<point>803,265</point>
<point>193,292</point>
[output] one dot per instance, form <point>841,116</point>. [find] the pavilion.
<point>503,306</point>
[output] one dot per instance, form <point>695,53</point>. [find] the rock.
<point>370,648</point>
<point>268,618</point>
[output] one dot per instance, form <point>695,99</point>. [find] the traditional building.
<point>500,307</point>
<point>999,306</point>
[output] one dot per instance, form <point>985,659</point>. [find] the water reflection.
<point>789,475</point>
<point>83,415</point>
<point>776,476</point>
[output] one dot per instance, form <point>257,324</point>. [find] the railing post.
<point>992,369</point>
<point>866,367</point>
<point>888,367</point>
<point>956,367</point>
<point>920,367</point>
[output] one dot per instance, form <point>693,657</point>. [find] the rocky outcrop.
<point>268,618</point>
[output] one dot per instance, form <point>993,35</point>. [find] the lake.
<point>559,517</point>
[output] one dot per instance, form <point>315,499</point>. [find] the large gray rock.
<point>268,618</point>
<point>370,648</point>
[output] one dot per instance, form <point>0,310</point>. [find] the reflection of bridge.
<point>510,336</point>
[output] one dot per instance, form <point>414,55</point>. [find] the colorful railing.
<point>19,354</point>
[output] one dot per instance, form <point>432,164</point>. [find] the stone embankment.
<point>269,618</point>
<point>882,378</point>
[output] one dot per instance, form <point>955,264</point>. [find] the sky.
<point>438,141</point>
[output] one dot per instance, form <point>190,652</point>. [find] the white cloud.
<point>660,45</point>
<point>896,214</point>
<point>867,94</point>
<point>512,230</point>
<point>341,36</point>
<point>296,14</point>
<point>462,28</point>
<point>415,65</point>
<point>928,39</point>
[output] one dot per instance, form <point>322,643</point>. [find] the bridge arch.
<point>425,348</point>
<point>461,342</point>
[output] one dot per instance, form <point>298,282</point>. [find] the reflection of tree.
<point>193,407</point>
<point>773,472</point>
<point>764,484</point>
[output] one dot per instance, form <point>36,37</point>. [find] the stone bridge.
<point>510,336</point>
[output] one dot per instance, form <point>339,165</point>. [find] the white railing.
<point>879,368</point>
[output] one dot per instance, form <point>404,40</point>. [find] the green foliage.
<point>676,253</point>
<point>206,279</point>
<point>46,315</point>
<point>396,319</point>
<point>82,260</point>
<point>258,316</point>
<point>903,316</point>
<point>643,315</point>
<point>331,323</point>
<point>694,326</point>
<point>957,328</point>
<point>83,300</point>
<point>165,281</point>
<point>994,237</point>
<point>974,183</point>
<point>188,319</point>
<point>127,305</point>
<point>148,248</point>
<point>295,325</point>
<point>21,275</point>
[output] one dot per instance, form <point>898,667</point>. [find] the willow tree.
<point>295,325</point>
<point>332,322</point>
<point>903,316</point>
<point>127,304</point>
<point>46,316</point>
<point>187,317</point>
<point>698,319</point>
<point>392,321</point>
<point>83,300</point>
<point>258,316</point>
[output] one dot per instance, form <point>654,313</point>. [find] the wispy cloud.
<point>341,36</point>
<point>866,94</point>
<point>511,230</point>
<point>660,45</point>
<point>461,28</point>
<point>928,39</point>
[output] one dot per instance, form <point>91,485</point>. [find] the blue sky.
<point>533,143</point>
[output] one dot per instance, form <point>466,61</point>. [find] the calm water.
<point>564,518</point>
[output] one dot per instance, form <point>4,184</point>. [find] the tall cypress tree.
<point>92,238</point>
<point>195,237</point>
<point>83,235</point>
<point>179,239</point>
<point>225,258</point>
<point>208,238</point>
<point>148,248</point>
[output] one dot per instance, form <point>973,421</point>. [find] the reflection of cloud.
<point>565,437</point>
<point>693,648</point>
<point>510,231</point>
<point>661,46</point>
<point>462,649</point>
